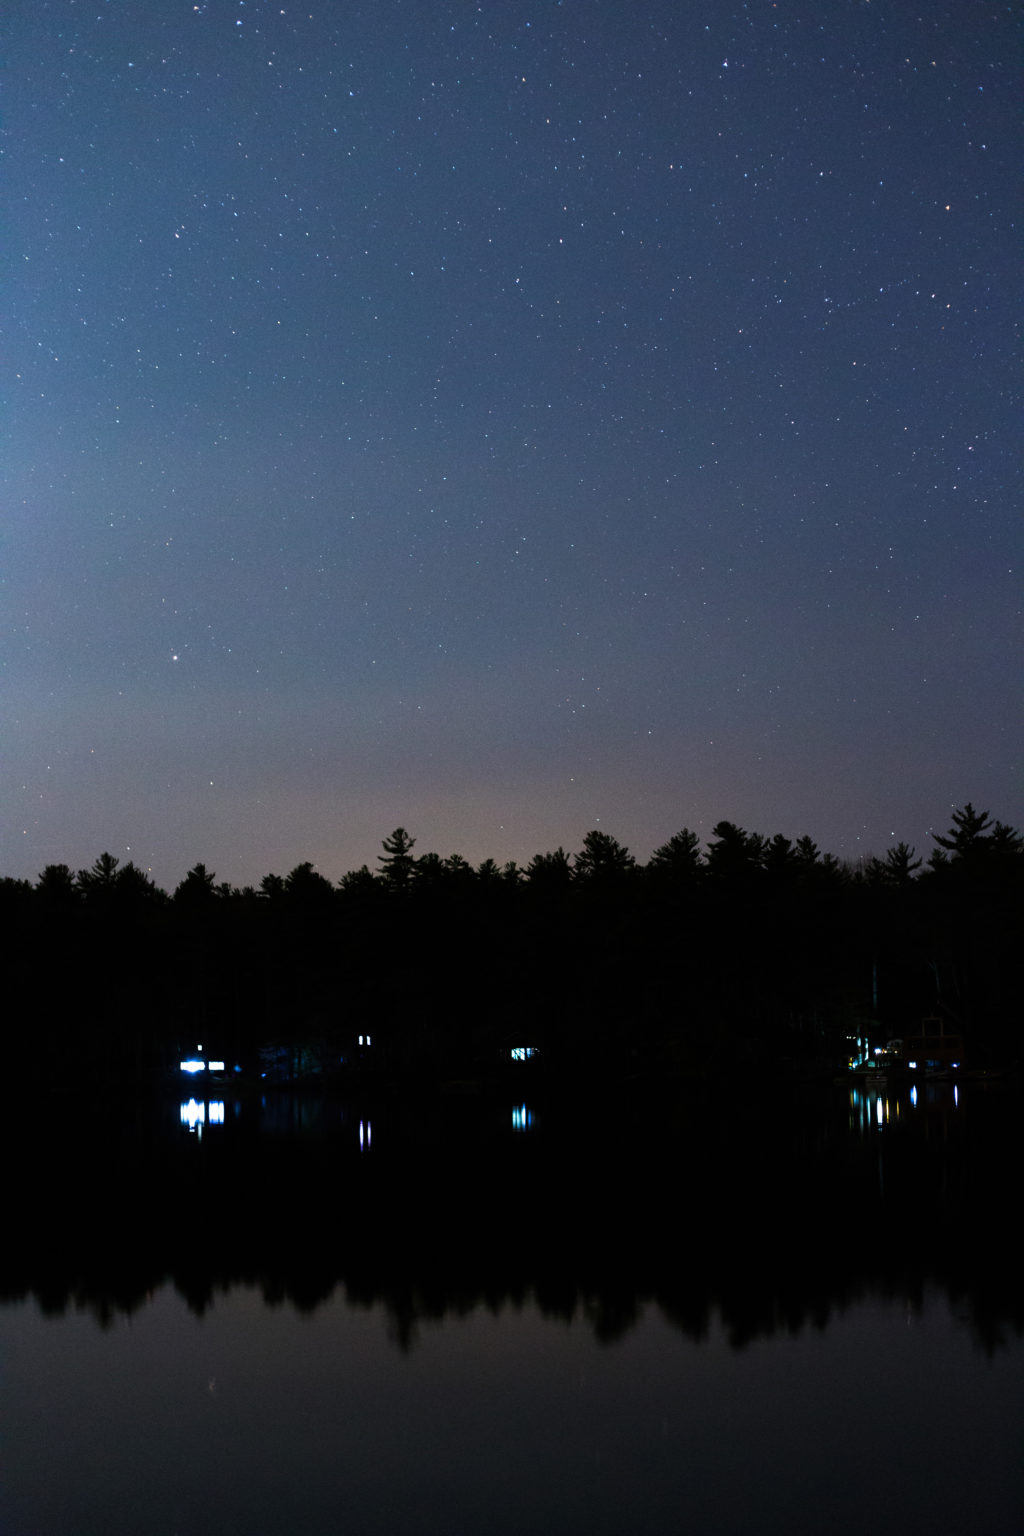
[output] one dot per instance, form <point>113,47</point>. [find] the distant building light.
<point>523,1052</point>
<point>216,1066</point>
<point>912,1065</point>
<point>192,1066</point>
<point>364,1040</point>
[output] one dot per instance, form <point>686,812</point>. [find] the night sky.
<point>505,420</point>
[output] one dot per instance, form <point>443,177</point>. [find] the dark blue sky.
<point>506,420</point>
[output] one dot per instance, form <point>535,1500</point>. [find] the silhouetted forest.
<point>753,952</point>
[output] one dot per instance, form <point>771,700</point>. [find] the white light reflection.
<point>365,1135</point>
<point>913,1095</point>
<point>872,1111</point>
<point>522,1118</point>
<point>193,1114</point>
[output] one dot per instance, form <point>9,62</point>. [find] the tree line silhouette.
<point>749,952</point>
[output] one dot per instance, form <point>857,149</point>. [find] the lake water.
<point>797,1315</point>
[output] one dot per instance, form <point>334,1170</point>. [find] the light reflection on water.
<point>372,1343</point>
<point>289,1115</point>
<point>197,1113</point>
<point>875,1106</point>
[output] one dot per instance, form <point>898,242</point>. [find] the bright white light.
<point>365,1135</point>
<point>217,1112</point>
<point>912,1065</point>
<point>193,1066</point>
<point>193,1114</point>
<point>216,1066</point>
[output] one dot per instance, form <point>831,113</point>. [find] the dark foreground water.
<point>801,1313</point>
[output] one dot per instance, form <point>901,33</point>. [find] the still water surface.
<point>707,1381</point>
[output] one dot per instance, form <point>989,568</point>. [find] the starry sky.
<point>506,419</point>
